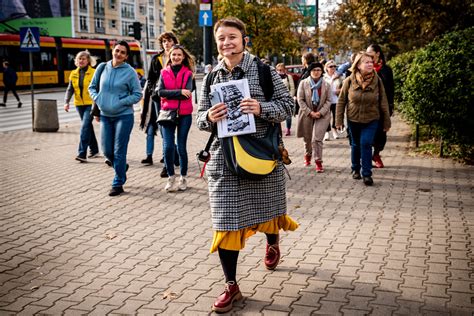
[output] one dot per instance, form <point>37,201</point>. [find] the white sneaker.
<point>183,184</point>
<point>171,184</point>
<point>334,135</point>
<point>326,136</point>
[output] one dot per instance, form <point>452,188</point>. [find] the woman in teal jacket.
<point>119,89</point>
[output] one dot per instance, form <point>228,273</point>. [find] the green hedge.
<point>435,87</point>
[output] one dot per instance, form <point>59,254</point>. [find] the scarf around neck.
<point>314,88</point>
<point>378,66</point>
<point>365,80</point>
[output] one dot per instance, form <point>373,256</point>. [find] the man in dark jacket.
<point>9,80</point>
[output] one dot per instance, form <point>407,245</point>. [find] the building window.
<point>112,4</point>
<point>142,9</point>
<point>152,45</point>
<point>128,11</point>
<point>83,23</point>
<point>113,24</point>
<point>99,25</point>
<point>126,27</point>
<point>83,5</point>
<point>151,30</point>
<point>99,7</point>
<point>151,14</point>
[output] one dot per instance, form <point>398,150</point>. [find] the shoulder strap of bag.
<point>100,69</point>
<point>181,87</point>
<point>265,81</point>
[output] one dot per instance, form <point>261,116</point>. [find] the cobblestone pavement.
<point>401,247</point>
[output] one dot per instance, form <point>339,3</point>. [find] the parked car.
<point>295,71</point>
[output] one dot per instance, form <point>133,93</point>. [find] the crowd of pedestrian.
<point>327,100</point>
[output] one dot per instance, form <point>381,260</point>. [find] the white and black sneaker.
<point>81,158</point>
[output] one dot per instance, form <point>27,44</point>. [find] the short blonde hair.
<point>358,59</point>
<point>329,63</point>
<point>91,60</point>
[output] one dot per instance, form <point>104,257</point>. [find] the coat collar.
<point>242,66</point>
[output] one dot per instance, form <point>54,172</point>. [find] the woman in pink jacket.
<point>175,89</point>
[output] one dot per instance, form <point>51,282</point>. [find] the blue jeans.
<point>362,138</point>
<point>150,140</point>
<point>168,130</point>
<point>87,138</point>
<point>115,136</point>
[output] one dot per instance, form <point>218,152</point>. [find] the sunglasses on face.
<point>333,66</point>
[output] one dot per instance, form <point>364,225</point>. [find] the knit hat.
<point>315,65</point>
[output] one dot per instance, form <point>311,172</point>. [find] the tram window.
<point>70,61</point>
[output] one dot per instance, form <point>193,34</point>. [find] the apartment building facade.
<point>113,19</point>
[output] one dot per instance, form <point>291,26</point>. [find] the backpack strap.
<point>265,79</point>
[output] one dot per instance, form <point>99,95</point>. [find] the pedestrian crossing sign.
<point>29,39</point>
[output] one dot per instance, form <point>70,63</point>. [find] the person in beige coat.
<point>314,115</point>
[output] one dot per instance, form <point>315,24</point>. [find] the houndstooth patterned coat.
<point>238,203</point>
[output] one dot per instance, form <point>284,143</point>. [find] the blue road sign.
<point>205,18</point>
<point>29,39</point>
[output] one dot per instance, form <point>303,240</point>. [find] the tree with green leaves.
<point>187,29</point>
<point>271,24</point>
<point>397,25</point>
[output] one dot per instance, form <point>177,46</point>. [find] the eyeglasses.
<point>333,66</point>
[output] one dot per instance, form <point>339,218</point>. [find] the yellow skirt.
<point>235,240</point>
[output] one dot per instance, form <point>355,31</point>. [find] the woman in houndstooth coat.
<point>242,207</point>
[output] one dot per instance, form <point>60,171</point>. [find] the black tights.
<point>229,259</point>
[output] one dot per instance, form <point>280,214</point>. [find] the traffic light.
<point>137,30</point>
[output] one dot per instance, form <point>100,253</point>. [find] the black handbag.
<point>168,117</point>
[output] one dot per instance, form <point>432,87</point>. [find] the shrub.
<point>437,88</point>
<point>401,65</point>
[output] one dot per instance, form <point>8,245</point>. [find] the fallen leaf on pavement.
<point>110,235</point>
<point>170,295</point>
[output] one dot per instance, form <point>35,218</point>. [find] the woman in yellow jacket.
<point>79,81</point>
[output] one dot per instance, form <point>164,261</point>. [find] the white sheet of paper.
<point>236,123</point>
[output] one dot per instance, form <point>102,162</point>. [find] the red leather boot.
<point>225,301</point>
<point>378,161</point>
<point>319,166</point>
<point>307,160</point>
<point>272,256</point>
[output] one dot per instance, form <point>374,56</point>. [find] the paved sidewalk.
<point>401,247</point>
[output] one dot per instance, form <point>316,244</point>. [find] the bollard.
<point>46,116</point>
